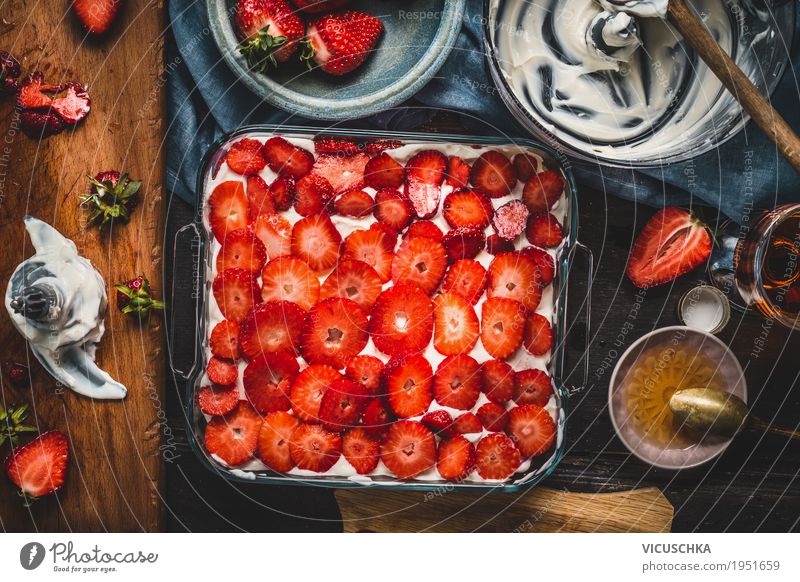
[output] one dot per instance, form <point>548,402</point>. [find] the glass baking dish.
<point>193,247</point>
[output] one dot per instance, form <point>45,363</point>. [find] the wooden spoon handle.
<point>762,426</point>
<point>751,99</point>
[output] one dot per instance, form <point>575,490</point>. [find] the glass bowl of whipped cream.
<point>602,84</point>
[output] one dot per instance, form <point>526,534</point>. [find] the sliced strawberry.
<point>377,146</point>
<point>467,423</point>
<point>510,219</point>
<point>282,190</point>
<point>342,404</point>
<point>532,429</point>
<point>440,422</point>
<point>544,230</point>
<point>361,449</point>
<point>273,441</point>
<point>457,174</point>
<point>401,321</point>
<point>315,449</point>
<point>343,172</point>
<point>216,400</point>
<point>420,261</point>
<point>334,144</point>
<point>259,196</point>
<point>228,209</point>
<point>408,383</point>
<point>367,371</point>
<point>542,191</point>
<point>224,341</point>
<point>493,417</point>
<point>232,438</point>
<point>39,467</point>
<point>515,276</point>
<point>424,177</point>
<point>355,203</point>
<point>244,157</point>
<point>525,166</point>
<point>222,372</point>
<point>290,279</point>
<point>457,382</point>
<point>335,330</point>
<point>390,240</point>
<point>464,242</point>
<point>467,278</point>
<point>497,246</point>
<point>316,241</point>
<point>498,381</point>
<point>241,249</point>
<point>424,228</point>
<point>493,174</point>
<point>456,327</point>
<point>496,457</point>
<point>383,171</point>
<point>455,458</point>
<point>467,208</point>
<point>276,233</point>
<point>538,338</point>
<point>313,194</point>
<point>268,381</point>
<point>354,280</point>
<point>393,209</point>
<point>308,389</point>
<point>377,418</point>
<point>543,262</point>
<point>286,158</point>
<point>371,247</point>
<point>502,324</point>
<point>236,292</point>
<point>673,242</point>
<point>272,327</point>
<point>409,449</point>
<point>532,387</point>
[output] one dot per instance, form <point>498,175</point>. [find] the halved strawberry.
<point>276,233</point>
<point>497,246</point>
<point>313,194</point>
<point>272,327</point>
<point>424,176</point>
<point>335,330</point>
<point>268,381</point>
<point>467,423</point>
<point>232,438</point>
<point>282,191</point>
<point>236,292</point>
<point>420,261</point>
<point>466,277</point>
<point>532,429</point>
<point>355,203</point>
<point>493,417</point>
<point>39,467</point>
<point>308,389</point>
<point>228,208</point>
<point>515,276</point>
<point>290,279</point>
<point>457,173</point>
<point>393,209</point>
<point>455,325</point>
<point>525,166</point>
<point>259,197</point>
<point>457,382</point>
<point>543,262</point>
<point>342,404</point>
<point>455,458</point>
<point>544,230</point>
<point>361,449</point>
<point>316,241</point>
<point>354,280</point>
<point>343,172</point>
<point>493,174</point>
<point>273,441</point>
<point>510,220</point>
<point>467,208</point>
<point>241,249</point>
<point>409,449</point>
<point>377,418</point>
<point>424,228</point>
<point>440,422</point>
<point>367,371</point>
<point>224,340</point>
<point>502,324</point>
<point>383,171</point>
<point>408,382</point>
<point>340,42</point>
<point>498,381</point>
<point>464,242</point>
<point>244,157</point>
<point>542,191</point>
<point>222,372</point>
<point>538,337</point>
<point>315,449</point>
<point>372,247</point>
<point>286,158</point>
<point>673,242</point>
<point>496,457</point>
<point>401,321</point>
<point>216,400</point>
<point>532,387</point>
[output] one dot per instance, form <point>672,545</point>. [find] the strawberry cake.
<point>381,310</point>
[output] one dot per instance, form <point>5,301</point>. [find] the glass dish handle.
<point>585,306</point>
<point>184,313</point>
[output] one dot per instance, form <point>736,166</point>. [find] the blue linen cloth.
<point>205,100</point>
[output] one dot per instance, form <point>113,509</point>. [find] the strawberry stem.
<point>307,53</point>
<point>259,51</point>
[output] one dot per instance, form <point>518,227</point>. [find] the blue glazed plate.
<point>418,38</point>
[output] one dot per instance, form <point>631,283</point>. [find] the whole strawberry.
<point>97,16</point>
<point>270,30</point>
<point>340,43</point>
<point>135,296</point>
<point>317,6</point>
<point>111,196</point>
<point>10,70</point>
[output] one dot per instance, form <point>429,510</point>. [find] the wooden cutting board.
<point>534,510</point>
<point>115,474</point>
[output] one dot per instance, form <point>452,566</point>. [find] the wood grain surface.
<point>115,476</point>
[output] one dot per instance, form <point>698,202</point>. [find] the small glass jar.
<point>704,308</point>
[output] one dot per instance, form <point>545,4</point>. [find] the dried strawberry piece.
<point>48,109</point>
<point>10,70</point>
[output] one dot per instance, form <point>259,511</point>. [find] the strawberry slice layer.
<point>335,330</point>
<point>401,320</point>
<point>232,438</point>
<point>409,449</point>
